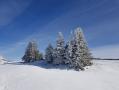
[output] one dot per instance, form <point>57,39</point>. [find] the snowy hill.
<point>103,75</point>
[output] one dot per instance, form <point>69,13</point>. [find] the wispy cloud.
<point>10,9</point>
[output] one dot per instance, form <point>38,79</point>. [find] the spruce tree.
<point>67,53</point>
<point>31,53</point>
<point>49,54</point>
<point>73,56</point>
<point>59,51</point>
<point>68,50</point>
<point>83,53</point>
<point>77,52</point>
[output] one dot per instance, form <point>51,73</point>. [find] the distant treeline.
<point>105,59</point>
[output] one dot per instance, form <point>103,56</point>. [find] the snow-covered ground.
<point>103,75</point>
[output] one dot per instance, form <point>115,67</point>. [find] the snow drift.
<point>2,60</point>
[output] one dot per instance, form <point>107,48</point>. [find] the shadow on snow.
<point>42,64</point>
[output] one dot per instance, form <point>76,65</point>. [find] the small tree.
<point>67,53</point>
<point>31,53</point>
<point>59,51</point>
<point>69,50</point>
<point>39,56</point>
<point>49,54</point>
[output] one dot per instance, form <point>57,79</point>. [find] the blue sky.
<point>25,20</point>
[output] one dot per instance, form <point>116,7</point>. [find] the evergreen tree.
<point>67,53</point>
<point>83,53</point>
<point>39,56</point>
<point>73,56</point>
<point>59,51</point>
<point>77,52</point>
<point>49,54</point>
<point>68,50</point>
<point>31,53</point>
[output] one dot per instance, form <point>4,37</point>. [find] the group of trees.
<point>75,54</point>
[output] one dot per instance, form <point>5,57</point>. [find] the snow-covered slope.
<point>103,75</point>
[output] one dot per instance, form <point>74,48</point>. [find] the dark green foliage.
<point>32,54</point>
<point>49,53</point>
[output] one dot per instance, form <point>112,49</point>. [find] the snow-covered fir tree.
<point>77,52</point>
<point>68,50</point>
<point>83,54</point>
<point>49,53</point>
<point>32,53</point>
<point>59,51</point>
<point>73,57</point>
<point>67,54</point>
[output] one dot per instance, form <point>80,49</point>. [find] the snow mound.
<point>2,60</point>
